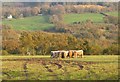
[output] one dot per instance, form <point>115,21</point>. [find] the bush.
<point>4,52</point>
<point>111,19</point>
<point>112,50</point>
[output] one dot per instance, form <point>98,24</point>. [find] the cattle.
<point>79,53</point>
<point>59,54</point>
<point>71,53</point>
<point>65,54</point>
<point>75,53</point>
<point>54,54</point>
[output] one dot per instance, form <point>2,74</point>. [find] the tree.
<point>111,19</point>
<point>45,9</point>
<point>35,11</point>
<point>57,9</point>
<point>10,41</point>
<point>27,12</point>
<point>111,50</point>
<point>27,43</point>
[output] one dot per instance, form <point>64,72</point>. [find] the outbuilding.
<point>9,17</point>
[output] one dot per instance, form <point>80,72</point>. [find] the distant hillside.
<point>43,23</point>
<point>30,23</point>
<point>95,17</point>
<point>113,13</point>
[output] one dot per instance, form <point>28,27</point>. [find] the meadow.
<point>45,68</point>
<point>113,13</point>
<point>95,17</point>
<point>42,22</point>
<point>30,23</point>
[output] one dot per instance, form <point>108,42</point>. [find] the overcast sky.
<point>60,0</point>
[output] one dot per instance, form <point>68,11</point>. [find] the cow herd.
<point>67,54</point>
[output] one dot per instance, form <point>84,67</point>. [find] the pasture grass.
<point>86,58</point>
<point>115,13</point>
<point>22,57</point>
<point>97,58</point>
<point>60,69</point>
<point>42,22</point>
<point>95,17</point>
<point>30,23</point>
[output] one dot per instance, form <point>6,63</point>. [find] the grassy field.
<point>46,68</point>
<point>30,23</point>
<point>95,17</point>
<point>113,13</point>
<point>42,22</point>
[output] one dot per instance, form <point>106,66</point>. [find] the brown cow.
<point>75,54</point>
<point>70,54</point>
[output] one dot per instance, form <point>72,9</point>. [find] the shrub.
<point>4,52</point>
<point>111,19</point>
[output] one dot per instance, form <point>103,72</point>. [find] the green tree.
<point>27,42</point>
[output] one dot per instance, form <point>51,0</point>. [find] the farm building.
<point>9,17</point>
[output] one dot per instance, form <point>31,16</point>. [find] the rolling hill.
<point>30,23</point>
<point>95,17</point>
<point>113,13</point>
<point>42,22</point>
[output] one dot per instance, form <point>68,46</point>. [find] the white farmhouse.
<point>9,17</point>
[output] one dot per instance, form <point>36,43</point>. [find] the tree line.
<point>41,43</point>
<point>32,9</point>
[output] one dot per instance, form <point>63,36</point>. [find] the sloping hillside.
<point>95,17</point>
<point>30,23</point>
